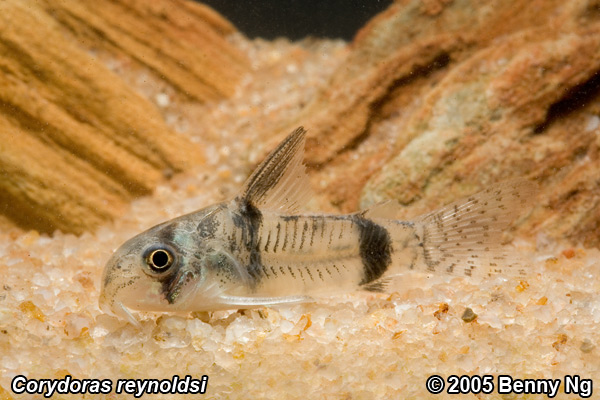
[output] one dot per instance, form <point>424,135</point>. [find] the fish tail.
<point>465,237</point>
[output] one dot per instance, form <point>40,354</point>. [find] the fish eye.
<point>159,260</point>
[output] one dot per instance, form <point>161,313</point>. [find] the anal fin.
<point>378,286</point>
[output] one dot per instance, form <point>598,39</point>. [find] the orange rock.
<point>568,253</point>
<point>522,286</point>
<point>32,311</point>
<point>542,301</point>
<point>560,342</point>
<point>443,309</point>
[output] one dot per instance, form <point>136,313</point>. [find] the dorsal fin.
<point>280,182</point>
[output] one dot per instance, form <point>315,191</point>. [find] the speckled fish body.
<point>256,249</point>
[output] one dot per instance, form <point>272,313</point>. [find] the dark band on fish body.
<point>375,248</point>
<point>248,220</point>
<point>285,237</point>
<point>302,239</point>
<point>277,239</point>
<point>172,282</point>
<point>295,234</point>
<point>268,242</point>
<point>313,230</point>
<point>167,234</point>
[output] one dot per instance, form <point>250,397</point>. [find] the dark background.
<point>297,19</point>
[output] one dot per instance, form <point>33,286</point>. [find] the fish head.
<point>160,269</point>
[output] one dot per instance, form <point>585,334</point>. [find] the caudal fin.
<point>464,237</point>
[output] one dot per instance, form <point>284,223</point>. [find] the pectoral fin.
<point>242,301</point>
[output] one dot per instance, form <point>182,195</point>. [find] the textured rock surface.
<point>492,118</point>
<point>438,99</point>
<point>77,141</point>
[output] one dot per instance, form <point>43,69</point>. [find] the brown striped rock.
<point>77,141</point>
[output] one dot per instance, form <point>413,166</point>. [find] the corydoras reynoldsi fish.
<point>257,249</point>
